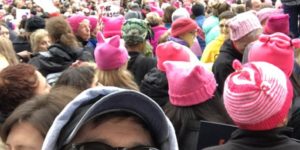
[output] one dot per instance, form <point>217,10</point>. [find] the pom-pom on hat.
<point>180,77</point>
<point>174,52</point>
<point>75,20</point>
<point>112,26</point>
<point>110,54</point>
<point>183,25</point>
<point>277,49</point>
<point>242,24</point>
<point>277,23</point>
<point>257,96</point>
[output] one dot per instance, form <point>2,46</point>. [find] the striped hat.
<point>257,96</point>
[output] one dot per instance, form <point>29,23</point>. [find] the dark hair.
<point>17,83</point>
<point>219,8</point>
<point>34,23</point>
<point>167,18</point>
<point>226,15</point>
<point>61,32</point>
<point>40,111</point>
<point>211,110</point>
<point>198,9</point>
<point>80,78</point>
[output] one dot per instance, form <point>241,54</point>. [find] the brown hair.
<point>39,111</point>
<point>61,32</point>
<point>120,77</point>
<point>17,83</point>
<point>219,8</point>
<point>7,51</point>
<point>167,18</point>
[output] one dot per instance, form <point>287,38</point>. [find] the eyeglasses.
<point>223,25</point>
<point>103,146</point>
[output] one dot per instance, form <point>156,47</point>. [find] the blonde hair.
<point>36,37</point>
<point>153,19</point>
<point>7,51</point>
<point>120,77</point>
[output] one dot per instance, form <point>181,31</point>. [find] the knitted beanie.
<point>183,25</point>
<point>277,23</point>
<point>257,96</point>
<point>174,52</point>
<point>180,13</point>
<point>265,13</point>
<point>75,20</point>
<point>181,76</point>
<point>93,21</point>
<point>110,54</point>
<point>112,26</point>
<point>34,23</point>
<point>242,24</point>
<point>158,10</point>
<point>277,49</point>
<point>135,31</point>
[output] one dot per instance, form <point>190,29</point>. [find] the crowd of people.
<point>147,75</point>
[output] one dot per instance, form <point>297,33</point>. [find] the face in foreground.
<point>115,132</point>
<point>23,136</point>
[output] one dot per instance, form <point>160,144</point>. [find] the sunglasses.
<point>103,146</point>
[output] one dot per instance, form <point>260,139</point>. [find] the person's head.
<point>153,19</point>
<point>7,51</point>
<point>180,13</point>
<point>34,118</point>
<point>224,17</point>
<point>265,13</point>
<point>218,8</point>
<point>198,10</point>
<point>60,32</point>
<point>239,8</point>
<point>112,26</point>
<point>272,48</point>
<point>114,117</point>
<point>253,5</point>
<point>95,27</point>
<point>168,14</point>
<point>172,51</point>
<point>277,23</point>
<point>134,33</point>
<point>244,29</point>
<point>39,40</point>
<point>80,25</point>
<point>185,29</point>
<point>114,73</point>
<point>257,96</point>
<point>80,78</point>
<point>4,31</point>
<point>19,83</point>
<point>34,23</point>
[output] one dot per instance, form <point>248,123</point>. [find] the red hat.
<point>277,23</point>
<point>183,25</point>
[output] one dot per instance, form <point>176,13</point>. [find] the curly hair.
<point>61,32</point>
<point>17,83</point>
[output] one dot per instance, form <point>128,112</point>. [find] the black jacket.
<point>56,59</point>
<point>139,65</point>
<point>223,64</point>
<point>258,140</point>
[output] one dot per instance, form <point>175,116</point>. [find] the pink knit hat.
<point>93,21</point>
<point>173,51</point>
<point>112,26</point>
<point>277,49</point>
<point>257,96</point>
<point>183,25</point>
<point>277,23</point>
<point>158,10</point>
<point>74,21</point>
<point>242,24</point>
<point>264,13</point>
<point>180,77</point>
<point>109,54</point>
